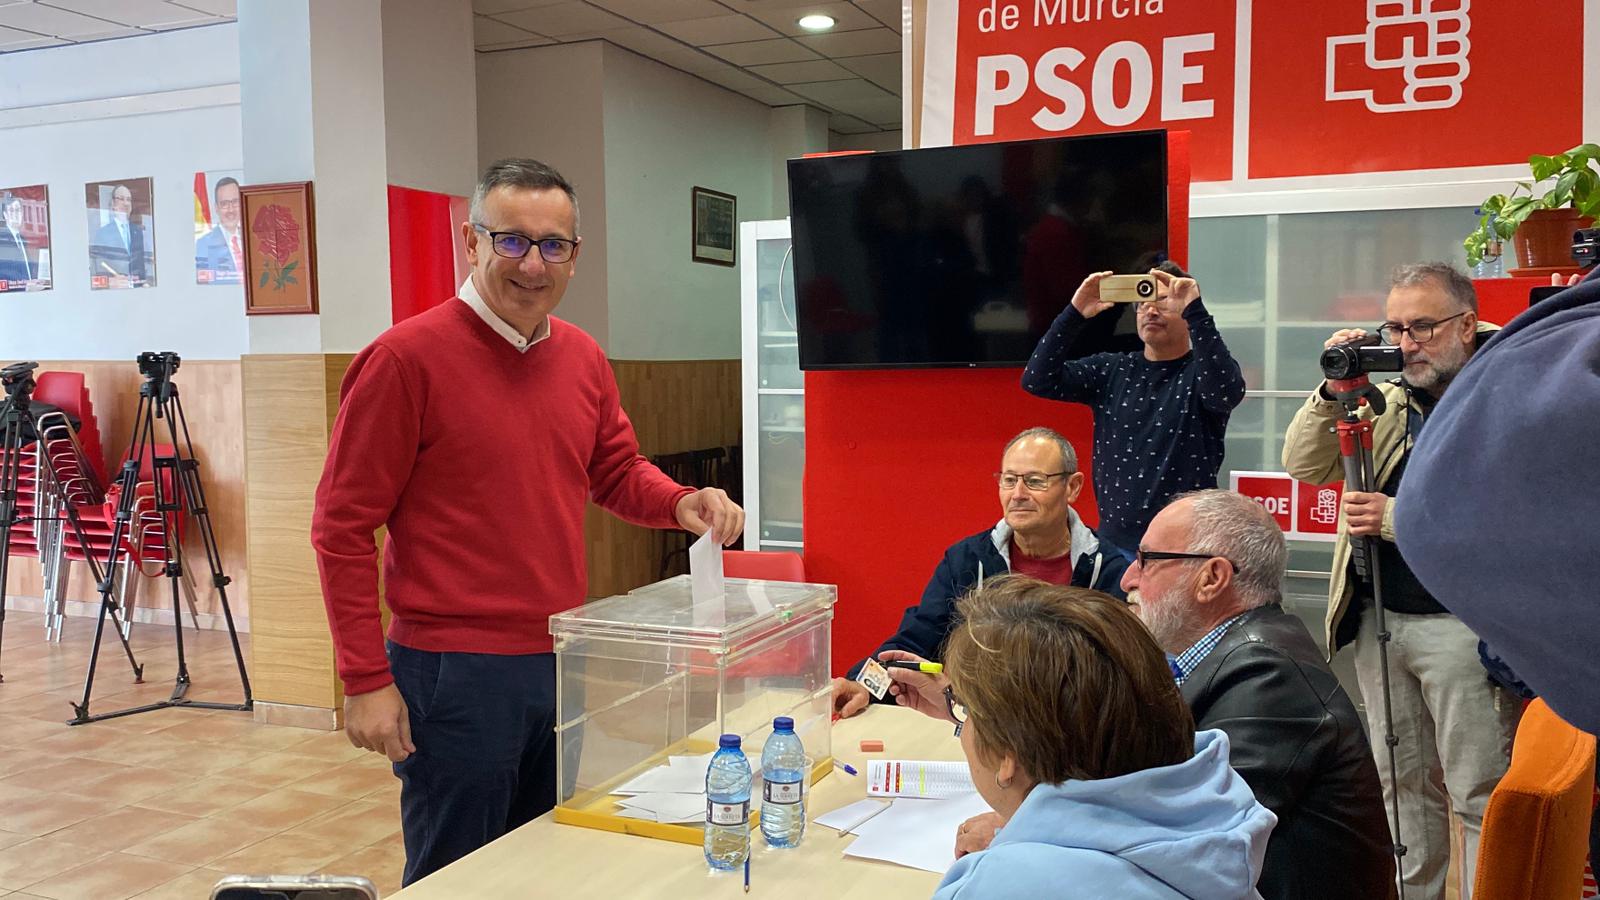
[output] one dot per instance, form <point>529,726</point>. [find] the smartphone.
<point>294,887</point>
<point>1127,288</point>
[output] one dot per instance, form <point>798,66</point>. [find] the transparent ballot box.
<point>647,682</point>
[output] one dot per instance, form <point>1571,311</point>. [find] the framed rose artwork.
<point>280,258</point>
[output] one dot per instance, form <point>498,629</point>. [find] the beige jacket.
<point>1311,454</point>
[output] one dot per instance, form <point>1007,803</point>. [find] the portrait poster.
<point>24,238</point>
<point>122,227</point>
<point>218,228</point>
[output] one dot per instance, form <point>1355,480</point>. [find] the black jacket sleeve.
<point>1274,720</point>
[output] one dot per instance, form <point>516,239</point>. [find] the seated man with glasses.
<point>1206,583</point>
<point>1160,414</point>
<point>1454,725</point>
<point>1039,534</point>
<point>1077,739</point>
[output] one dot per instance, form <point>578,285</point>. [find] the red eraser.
<point>872,746</point>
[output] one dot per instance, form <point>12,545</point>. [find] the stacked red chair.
<point>79,462</point>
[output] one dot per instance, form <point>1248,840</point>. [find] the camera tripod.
<point>1355,447</point>
<point>17,422</point>
<point>174,489</point>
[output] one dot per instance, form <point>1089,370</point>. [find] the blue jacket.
<point>1500,496</point>
<point>988,553</point>
<point>1190,831</point>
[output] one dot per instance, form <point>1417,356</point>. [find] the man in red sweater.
<point>476,432</point>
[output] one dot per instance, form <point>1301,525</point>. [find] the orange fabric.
<point>1536,827</point>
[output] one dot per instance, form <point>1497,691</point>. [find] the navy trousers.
<point>484,729</point>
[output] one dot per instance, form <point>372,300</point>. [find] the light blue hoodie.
<point>1192,831</point>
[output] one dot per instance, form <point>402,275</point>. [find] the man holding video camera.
<point>1451,721</point>
<point>1159,414</point>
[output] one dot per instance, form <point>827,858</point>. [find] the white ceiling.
<point>753,47</point>
<point>30,24</point>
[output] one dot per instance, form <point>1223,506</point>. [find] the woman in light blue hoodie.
<point>1078,738</point>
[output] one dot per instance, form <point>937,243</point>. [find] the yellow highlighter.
<point>926,668</point>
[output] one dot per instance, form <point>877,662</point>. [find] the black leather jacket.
<point>1297,741</point>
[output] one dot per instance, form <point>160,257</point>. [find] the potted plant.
<point>1541,227</point>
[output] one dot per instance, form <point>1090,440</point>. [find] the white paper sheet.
<point>666,780</point>
<point>915,778</point>
<point>920,834</point>
<point>706,585</point>
<point>846,818</point>
<point>664,807</point>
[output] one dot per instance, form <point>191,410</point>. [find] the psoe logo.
<point>1412,56</point>
<point>1326,512</point>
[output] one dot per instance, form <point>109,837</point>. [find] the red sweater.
<point>479,458</point>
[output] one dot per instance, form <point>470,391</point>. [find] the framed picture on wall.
<point>715,218</point>
<point>280,259</point>
<point>218,228</point>
<point>122,228</point>
<point>25,238</point>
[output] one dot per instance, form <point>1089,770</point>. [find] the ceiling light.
<point>816,22</point>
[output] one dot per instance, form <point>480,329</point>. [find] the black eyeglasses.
<point>1145,557</point>
<point>1421,332</point>
<point>958,710</point>
<point>513,245</point>
<point>1033,481</point>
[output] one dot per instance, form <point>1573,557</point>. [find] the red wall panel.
<point>422,236</point>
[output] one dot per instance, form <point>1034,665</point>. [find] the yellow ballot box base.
<point>598,809</point>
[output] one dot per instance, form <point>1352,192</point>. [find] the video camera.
<point>1353,359</point>
<point>1586,246</point>
<point>18,377</point>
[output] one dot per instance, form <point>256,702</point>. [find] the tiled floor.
<point>162,804</point>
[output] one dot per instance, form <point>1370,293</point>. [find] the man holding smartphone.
<point>1160,414</point>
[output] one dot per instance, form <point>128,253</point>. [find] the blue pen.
<point>848,769</point>
<point>747,872</point>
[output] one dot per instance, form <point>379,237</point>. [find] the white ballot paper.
<point>849,818</point>
<point>706,585</point>
<point>920,834</point>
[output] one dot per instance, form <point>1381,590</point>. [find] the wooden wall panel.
<point>210,393</point>
<point>675,405</point>
<point>286,430</point>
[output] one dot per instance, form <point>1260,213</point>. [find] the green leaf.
<point>1494,204</point>
<point>289,279</point>
<point>1565,183</point>
<point>263,283</point>
<point>1516,210</point>
<point>290,267</point>
<point>1545,166</point>
<point>1586,151</point>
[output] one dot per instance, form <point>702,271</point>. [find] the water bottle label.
<point>727,813</point>
<point>783,791</point>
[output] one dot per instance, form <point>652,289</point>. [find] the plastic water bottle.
<point>783,776</point>
<point>727,842</point>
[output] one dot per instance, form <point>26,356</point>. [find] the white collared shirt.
<point>470,296</point>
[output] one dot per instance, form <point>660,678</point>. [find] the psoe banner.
<point>1001,70</point>
<point>1305,512</point>
<point>1268,89</point>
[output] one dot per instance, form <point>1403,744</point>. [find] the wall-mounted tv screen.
<point>963,256</point>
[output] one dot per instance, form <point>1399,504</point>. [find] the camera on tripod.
<point>1353,359</point>
<point>18,375</point>
<point>158,365</point>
